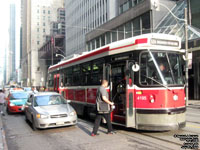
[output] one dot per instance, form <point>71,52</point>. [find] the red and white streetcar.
<point>145,81</point>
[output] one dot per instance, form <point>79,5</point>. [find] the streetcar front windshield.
<point>160,68</point>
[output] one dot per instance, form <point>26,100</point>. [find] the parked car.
<point>16,101</point>
<point>27,89</point>
<point>49,109</point>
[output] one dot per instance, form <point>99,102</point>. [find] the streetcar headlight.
<point>152,99</point>
<point>175,97</point>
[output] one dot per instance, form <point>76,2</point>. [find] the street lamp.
<point>60,55</point>
<point>156,4</point>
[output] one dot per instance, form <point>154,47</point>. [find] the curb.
<point>3,136</point>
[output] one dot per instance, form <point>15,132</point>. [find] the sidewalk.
<point>193,102</point>
<point>3,144</point>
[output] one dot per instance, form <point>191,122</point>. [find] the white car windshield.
<point>46,100</point>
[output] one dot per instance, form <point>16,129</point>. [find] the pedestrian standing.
<point>2,102</point>
<point>103,108</point>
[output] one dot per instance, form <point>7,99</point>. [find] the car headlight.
<point>41,116</point>
<point>11,104</point>
<point>73,113</point>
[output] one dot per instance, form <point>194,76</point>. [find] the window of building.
<point>93,44</point>
<point>38,23</point>
<point>136,27</point>
<point>49,12</point>
<point>103,40</point>
<point>108,38</point>
<point>38,42</point>
<point>38,11</point>
<point>121,33</point>
<point>128,30</point>
<point>145,23</point>
<point>43,30</point>
<point>43,11</point>
<point>97,42</point>
<point>43,23</point>
<point>88,46</point>
<point>38,30</point>
<point>125,6</point>
<point>114,35</point>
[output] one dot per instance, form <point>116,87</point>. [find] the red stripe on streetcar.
<point>141,41</point>
<point>83,57</point>
<point>121,47</point>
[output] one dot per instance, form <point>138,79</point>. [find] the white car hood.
<point>54,109</point>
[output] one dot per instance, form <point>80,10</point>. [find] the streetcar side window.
<point>97,72</point>
<point>86,73</point>
<point>76,75</point>
<point>50,80</point>
<point>68,76</point>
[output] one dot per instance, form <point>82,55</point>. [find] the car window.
<point>20,95</point>
<point>49,100</point>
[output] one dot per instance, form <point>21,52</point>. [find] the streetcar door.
<point>118,92</point>
<point>56,82</point>
<point>130,102</point>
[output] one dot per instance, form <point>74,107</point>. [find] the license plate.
<point>59,123</point>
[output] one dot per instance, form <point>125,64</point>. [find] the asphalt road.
<point>20,136</point>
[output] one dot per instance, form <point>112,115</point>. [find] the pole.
<point>186,55</point>
<point>52,55</point>
<point>52,48</point>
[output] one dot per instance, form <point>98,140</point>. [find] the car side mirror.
<point>69,101</point>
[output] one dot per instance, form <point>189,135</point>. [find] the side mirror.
<point>135,67</point>
<point>69,101</point>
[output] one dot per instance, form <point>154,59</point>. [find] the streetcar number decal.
<point>143,98</point>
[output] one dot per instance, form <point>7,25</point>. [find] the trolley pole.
<point>52,49</point>
<point>186,56</point>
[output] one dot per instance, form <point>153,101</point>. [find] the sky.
<point>4,32</point>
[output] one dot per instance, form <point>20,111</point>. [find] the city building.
<point>37,16</point>
<point>54,47</point>
<point>11,51</point>
<point>83,16</point>
<point>194,47</point>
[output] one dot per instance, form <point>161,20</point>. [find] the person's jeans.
<point>98,121</point>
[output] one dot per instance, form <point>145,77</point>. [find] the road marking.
<point>193,126</point>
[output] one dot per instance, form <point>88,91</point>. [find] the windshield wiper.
<point>157,82</point>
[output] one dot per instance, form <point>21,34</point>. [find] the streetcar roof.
<point>136,43</point>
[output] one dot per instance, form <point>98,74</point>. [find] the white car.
<point>49,109</point>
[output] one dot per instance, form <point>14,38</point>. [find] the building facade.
<point>36,18</point>
<point>83,16</point>
<point>11,51</point>
<point>135,18</point>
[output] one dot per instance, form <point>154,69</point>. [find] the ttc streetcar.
<point>145,75</point>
